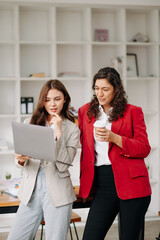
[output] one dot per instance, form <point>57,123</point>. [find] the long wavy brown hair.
<point>119,101</point>
<point>39,116</point>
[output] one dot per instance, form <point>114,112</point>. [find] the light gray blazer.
<point>57,175</point>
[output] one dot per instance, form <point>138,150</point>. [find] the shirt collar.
<point>102,110</point>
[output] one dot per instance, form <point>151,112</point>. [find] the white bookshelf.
<point>56,39</point>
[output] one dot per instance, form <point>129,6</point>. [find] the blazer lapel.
<point>116,126</point>
<point>58,143</point>
<point>90,137</point>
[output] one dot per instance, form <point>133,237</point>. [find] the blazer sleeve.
<point>137,146</point>
<point>66,149</point>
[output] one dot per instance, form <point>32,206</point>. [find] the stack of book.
<point>37,74</point>
<point>69,74</point>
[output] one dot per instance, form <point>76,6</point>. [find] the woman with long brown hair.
<point>114,144</point>
<point>46,191</point>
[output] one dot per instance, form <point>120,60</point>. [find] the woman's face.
<point>104,92</point>
<point>54,102</point>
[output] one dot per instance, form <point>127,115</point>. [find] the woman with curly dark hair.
<point>114,144</point>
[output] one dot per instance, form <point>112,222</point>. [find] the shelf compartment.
<point>35,23</point>
<point>8,94</point>
<point>103,56</point>
<point>147,58</point>
<point>83,93</point>
<point>36,59</point>
<point>6,131</point>
<point>7,60</point>
<point>152,120</point>
<point>153,132</point>
<point>142,21</point>
<point>31,89</point>
<point>73,59</point>
<point>140,93</point>
<point>7,23</point>
<point>111,19</point>
<point>7,152</point>
<point>66,31</point>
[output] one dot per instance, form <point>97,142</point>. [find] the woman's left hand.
<point>105,135</point>
<point>57,121</point>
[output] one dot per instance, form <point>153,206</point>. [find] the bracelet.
<point>20,163</point>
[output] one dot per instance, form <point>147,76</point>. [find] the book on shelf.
<point>69,74</point>
<point>27,105</point>
<point>101,35</point>
<point>42,74</point>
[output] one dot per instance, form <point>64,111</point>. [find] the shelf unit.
<point>59,39</point>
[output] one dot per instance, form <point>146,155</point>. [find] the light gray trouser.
<point>28,218</point>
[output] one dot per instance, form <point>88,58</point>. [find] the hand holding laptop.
<point>21,158</point>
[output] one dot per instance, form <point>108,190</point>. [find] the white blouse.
<point>101,148</point>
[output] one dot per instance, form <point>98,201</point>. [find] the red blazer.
<point>130,172</point>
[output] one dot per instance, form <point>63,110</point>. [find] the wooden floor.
<point>152,229</point>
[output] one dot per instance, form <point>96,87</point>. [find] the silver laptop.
<point>34,141</point>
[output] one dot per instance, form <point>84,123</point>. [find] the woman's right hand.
<point>57,121</point>
<point>21,158</point>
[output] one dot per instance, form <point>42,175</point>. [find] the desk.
<point>10,204</point>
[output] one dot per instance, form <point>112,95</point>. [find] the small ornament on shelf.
<point>139,37</point>
<point>8,175</point>
<point>101,35</point>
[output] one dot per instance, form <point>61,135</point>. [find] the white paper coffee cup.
<point>99,124</point>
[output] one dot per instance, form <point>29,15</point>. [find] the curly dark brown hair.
<point>119,101</point>
<point>40,114</point>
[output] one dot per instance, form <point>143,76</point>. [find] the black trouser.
<point>106,205</point>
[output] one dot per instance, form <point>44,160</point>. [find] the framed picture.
<point>132,65</point>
